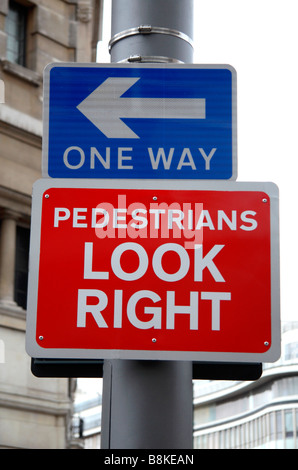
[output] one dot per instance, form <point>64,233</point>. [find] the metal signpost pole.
<point>148,404</point>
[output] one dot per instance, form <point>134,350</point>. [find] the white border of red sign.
<point>33,348</point>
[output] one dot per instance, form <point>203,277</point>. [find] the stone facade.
<point>34,412</point>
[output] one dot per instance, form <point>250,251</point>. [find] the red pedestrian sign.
<point>140,270</point>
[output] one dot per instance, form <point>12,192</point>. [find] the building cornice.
<point>17,202</point>
<point>239,388</point>
<point>13,400</point>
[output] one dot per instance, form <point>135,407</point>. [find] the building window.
<point>15,26</point>
<point>291,351</point>
<point>275,430</point>
<point>289,429</point>
<point>21,266</point>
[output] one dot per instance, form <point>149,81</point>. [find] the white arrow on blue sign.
<point>156,121</point>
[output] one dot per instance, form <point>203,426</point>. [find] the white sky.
<point>259,38</point>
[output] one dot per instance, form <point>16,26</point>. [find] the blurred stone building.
<point>34,412</point>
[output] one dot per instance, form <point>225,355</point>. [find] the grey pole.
<point>148,404</point>
<point>153,30</point>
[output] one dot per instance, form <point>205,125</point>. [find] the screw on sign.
<point>174,273</point>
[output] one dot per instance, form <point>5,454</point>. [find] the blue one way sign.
<point>156,121</point>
